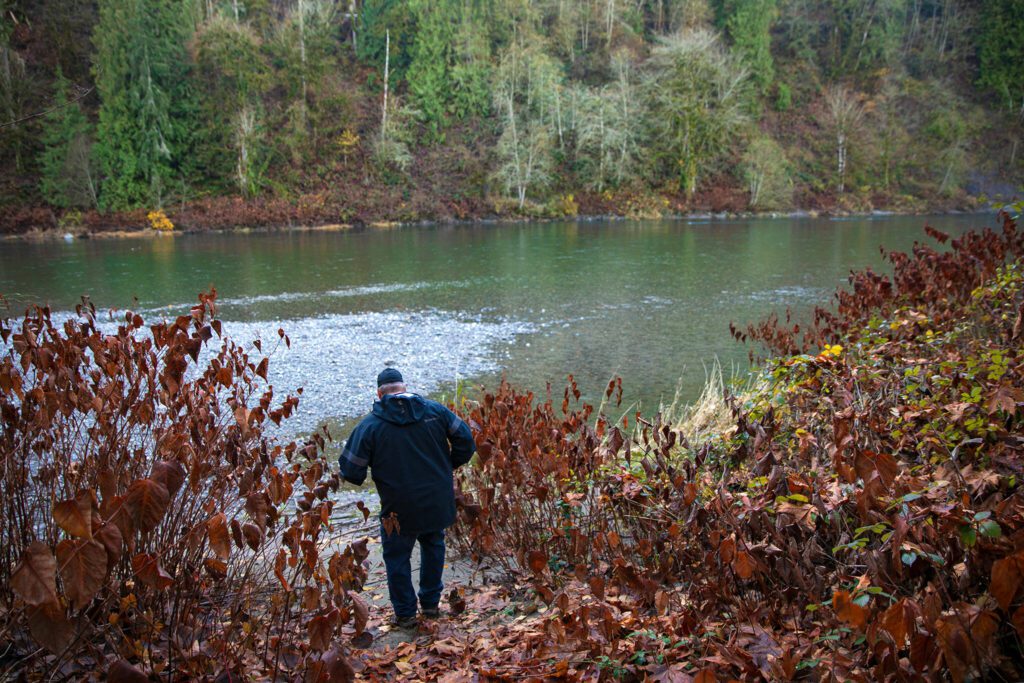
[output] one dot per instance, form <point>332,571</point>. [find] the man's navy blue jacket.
<point>411,445</point>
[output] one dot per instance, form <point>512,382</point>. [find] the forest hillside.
<point>219,113</point>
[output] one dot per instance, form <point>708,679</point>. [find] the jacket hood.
<point>400,409</point>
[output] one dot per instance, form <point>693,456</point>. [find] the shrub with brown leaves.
<point>150,522</point>
<point>862,520</point>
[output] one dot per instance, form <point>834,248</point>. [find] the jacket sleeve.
<point>461,439</point>
<point>355,457</point>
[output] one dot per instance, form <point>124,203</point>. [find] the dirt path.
<point>463,581</point>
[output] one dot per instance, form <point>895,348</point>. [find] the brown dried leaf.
<point>674,673</point>
<point>148,570</point>
<point>34,580</point>
<point>1003,398</point>
<point>727,550</point>
<point>123,672</point>
<point>895,622</point>
<point>967,651</point>
<point>537,561</point>
<point>743,565</point>
<point>361,612</point>
<point>220,539</point>
<point>75,515</point>
<point>242,418</point>
<point>253,535</point>
<point>847,610</point>
<point>705,676</point>
<point>216,568</point>
<point>321,630</point>
<point>1007,576</point>
<point>108,483</point>
<point>310,599</point>
<point>109,535</point>
<point>279,565</point>
<point>257,505</point>
<point>147,502</point>
<point>867,463</point>
<point>597,586</point>
<point>662,601</point>
<point>336,667</point>
<point>1018,622</point>
<point>261,369</point>
<point>115,511</point>
<point>83,566</point>
<point>689,493</point>
<point>50,627</point>
<point>170,473</point>
<point>803,514</point>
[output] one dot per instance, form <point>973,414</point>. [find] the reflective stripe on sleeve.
<point>454,427</point>
<point>354,459</point>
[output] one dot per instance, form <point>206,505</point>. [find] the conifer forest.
<point>263,112</point>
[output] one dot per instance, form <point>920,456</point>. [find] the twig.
<point>46,111</point>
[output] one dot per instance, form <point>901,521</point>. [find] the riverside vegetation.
<point>857,514</point>
<point>226,113</point>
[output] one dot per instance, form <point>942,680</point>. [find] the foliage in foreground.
<point>862,520</point>
<point>151,523</point>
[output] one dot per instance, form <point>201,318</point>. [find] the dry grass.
<point>710,414</point>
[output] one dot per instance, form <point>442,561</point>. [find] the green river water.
<point>650,301</point>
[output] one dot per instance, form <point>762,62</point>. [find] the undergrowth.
<point>856,514</point>
<point>861,519</point>
<point>151,526</point>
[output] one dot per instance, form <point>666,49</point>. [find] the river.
<point>650,301</point>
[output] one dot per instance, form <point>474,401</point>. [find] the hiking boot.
<point>407,622</point>
<point>431,612</point>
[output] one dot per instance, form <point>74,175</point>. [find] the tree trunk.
<point>352,22</point>
<point>841,160</point>
<point>387,67</point>
<point>609,23</point>
<point>520,183</point>
<point>302,49</point>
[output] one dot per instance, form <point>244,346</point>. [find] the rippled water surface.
<point>650,301</point>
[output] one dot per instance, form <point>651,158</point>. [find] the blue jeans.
<point>397,550</point>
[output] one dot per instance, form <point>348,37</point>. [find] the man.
<point>412,445</point>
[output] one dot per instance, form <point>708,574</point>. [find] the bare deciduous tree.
<point>767,174</point>
<point>245,122</point>
<point>608,128</point>
<point>527,99</point>
<point>845,114</point>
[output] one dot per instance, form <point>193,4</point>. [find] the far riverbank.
<point>321,212</point>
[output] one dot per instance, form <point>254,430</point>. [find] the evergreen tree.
<point>65,165</point>
<point>378,18</point>
<point>428,73</point>
<point>748,24</point>
<point>1001,50</point>
<point>15,87</point>
<point>865,35</point>
<point>470,76</point>
<point>147,113</point>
